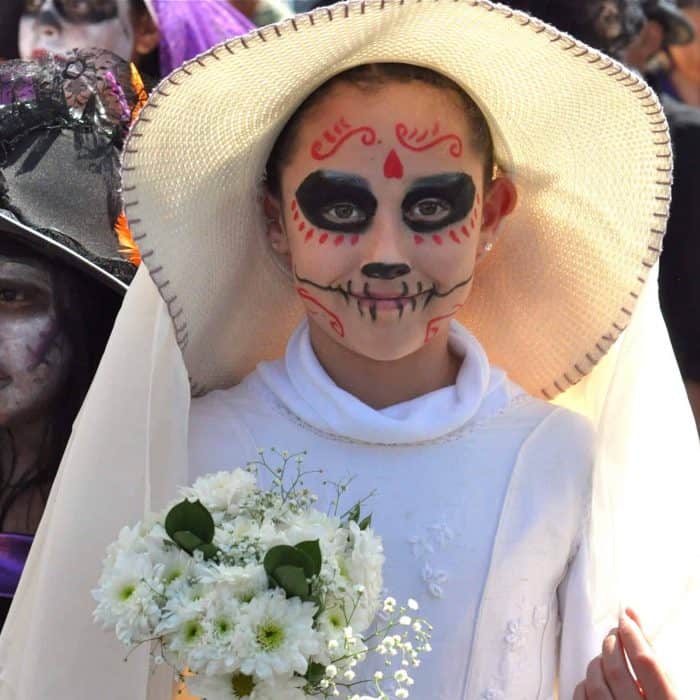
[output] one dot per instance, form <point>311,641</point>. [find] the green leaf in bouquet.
<point>187,540</point>
<point>292,580</point>
<point>190,517</point>
<point>312,549</point>
<point>366,522</point>
<point>284,555</point>
<point>315,673</point>
<point>209,550</point>
<point>354,513</point>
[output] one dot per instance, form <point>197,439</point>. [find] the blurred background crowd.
<point>66,255</point>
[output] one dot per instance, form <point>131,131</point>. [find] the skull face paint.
<point>380,235</point>
<point>57,26</point>
<point>34,350</point>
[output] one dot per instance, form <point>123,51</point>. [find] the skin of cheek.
<point>34,360</point>
<point>115,35</point>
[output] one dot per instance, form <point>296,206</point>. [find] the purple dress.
<point>14,550</point>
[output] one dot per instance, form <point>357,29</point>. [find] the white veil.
<point>128,452</point>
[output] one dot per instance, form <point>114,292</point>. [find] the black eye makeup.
<point>336,201</point>
<point>78,11</point>
<point>437,201</point>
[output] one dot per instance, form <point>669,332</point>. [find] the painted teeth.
<point>413,303</point>
<point>404,289</point>
<point>373,311</point>
<point>399,306</point>
<point>359,307</point>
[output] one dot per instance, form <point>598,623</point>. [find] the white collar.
<point>303,386</point>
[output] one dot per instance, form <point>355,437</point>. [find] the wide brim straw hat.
<point>583,138</point>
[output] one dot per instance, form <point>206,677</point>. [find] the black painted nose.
<point>385,271</point>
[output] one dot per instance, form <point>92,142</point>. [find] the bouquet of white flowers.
<point>256,594</point>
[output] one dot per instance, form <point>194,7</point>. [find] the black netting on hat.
<point>607,25</point>
<point>89,91</point>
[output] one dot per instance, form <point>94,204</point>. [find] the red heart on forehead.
<point>393,167</point>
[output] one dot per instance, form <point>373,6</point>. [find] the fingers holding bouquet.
<point>627,668</point>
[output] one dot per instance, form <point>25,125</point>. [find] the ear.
<point>500,199</point>
<point>146,34</point>
<point>275,231</point>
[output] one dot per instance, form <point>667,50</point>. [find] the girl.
<point>398,179</point>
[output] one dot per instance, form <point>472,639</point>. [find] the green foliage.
<point>291,568</point>
<point>191,527</point>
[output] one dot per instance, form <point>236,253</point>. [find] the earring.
<point>488,247</point>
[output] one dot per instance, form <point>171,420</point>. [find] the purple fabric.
<point>14,550</point>
<point>191,27</point>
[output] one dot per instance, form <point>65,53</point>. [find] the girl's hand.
<point>608,676</point>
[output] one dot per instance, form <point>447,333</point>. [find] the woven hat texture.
<point>585,141</point>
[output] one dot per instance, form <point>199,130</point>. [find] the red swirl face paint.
<point>423,140</point>
<point>333,139</point>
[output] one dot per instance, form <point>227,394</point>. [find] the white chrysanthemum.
<point>275,635</point>
<point>238,686</point>
<point>243,582</point>
<point>315,525</point>
<point>222,491</point>
<point>127,597</point>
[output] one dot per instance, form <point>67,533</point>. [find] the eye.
<point>428,210</point>
<point>344,213</point>
<point>10,295</point>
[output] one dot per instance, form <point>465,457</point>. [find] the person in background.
<point>262,12</point>
<point>666,26</point>
<point>615,27</point>
<point>156,35</point>
<point>10,12</point>
<point>684,76</point>
<point>66,258</point>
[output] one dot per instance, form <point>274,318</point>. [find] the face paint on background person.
<point>57,26</point>
<point>34,351</point>
<point>382,214</point>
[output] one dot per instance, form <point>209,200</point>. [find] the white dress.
<point>481,496</point>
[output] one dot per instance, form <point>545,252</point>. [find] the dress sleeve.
<point>581,634</point>
<point>218,440</point>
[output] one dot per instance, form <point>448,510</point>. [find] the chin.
<point>381,347</point>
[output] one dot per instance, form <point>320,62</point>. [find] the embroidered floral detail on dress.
<point>514,637</point>
<point>492,694</point>
<point>434,579</point>
<point>424,546</point>
<point>420,546</point>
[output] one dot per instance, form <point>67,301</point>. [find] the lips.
<point>373,301</point>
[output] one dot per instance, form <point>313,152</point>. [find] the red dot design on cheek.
<point>455,237</point>
<point>465,231</point>
<point>418,240</point>
<point>323,238</point>
<point>437,239</point>
<point>354,240</point>
<point>338,240</point>
<point>309,235</point>
<point>302,226</point>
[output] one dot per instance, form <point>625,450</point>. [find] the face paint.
<point>336,201</point>
<point>333,138</point>
<point>434,202</point>
<point>57,26</point>
<point>34,351</point>
<point>381,246</point>
<point>423,140</point>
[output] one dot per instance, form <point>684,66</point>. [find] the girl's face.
<point>57,26</point>
<point>34,350</point>
<point>384,215</point>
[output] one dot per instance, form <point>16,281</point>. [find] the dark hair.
<point>10,12</point>
<point>148,64</point>
<point>86,310</point>
<point>370,77</point>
